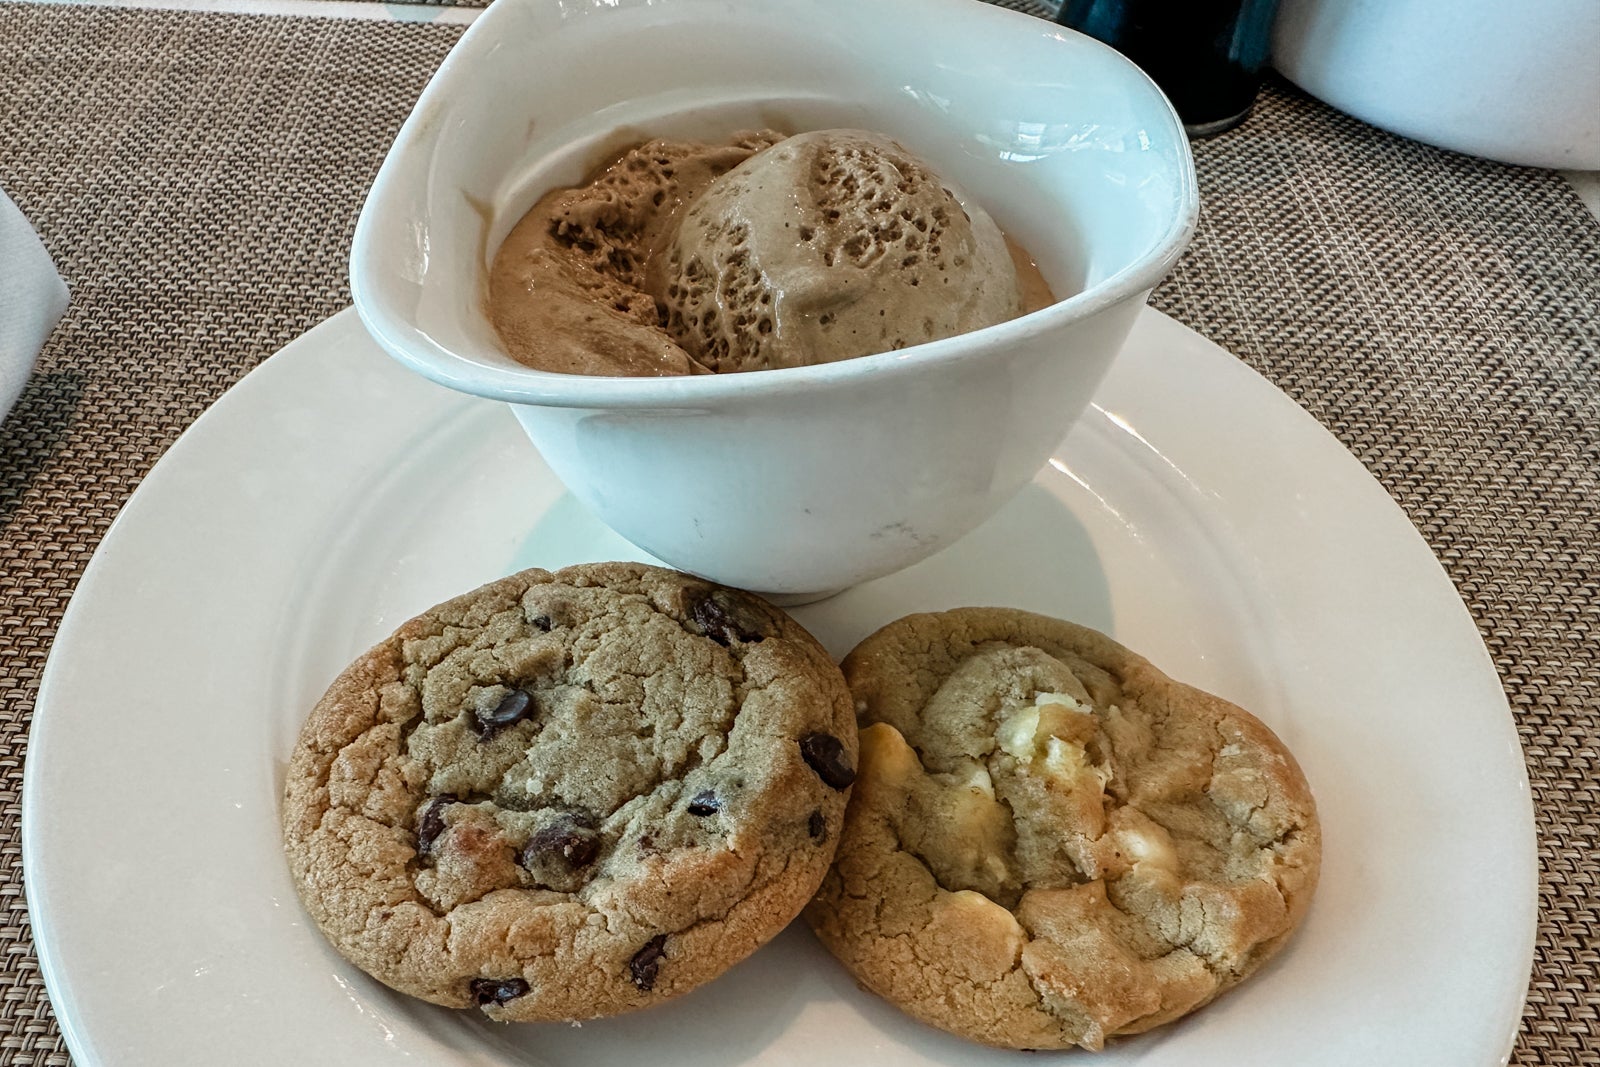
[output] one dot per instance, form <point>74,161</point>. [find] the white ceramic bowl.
<point>798,482</point>
<point>1514,82</point>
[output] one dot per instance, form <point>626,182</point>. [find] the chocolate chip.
<point>514,707</point>
<point>726,617</point>
<point>825,755</point>
<point>575,845</point>
<point>542,622</point>
<point>647,962</point>
<point>816,826</point>
<point>486,991</point>
<point>704,802</point>
<point>431,825</point>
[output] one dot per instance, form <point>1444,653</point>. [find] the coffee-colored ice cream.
<point>761,253</point>
<point>567,289</point>
<point>827,246</point>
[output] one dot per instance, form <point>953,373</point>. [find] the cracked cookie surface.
<point>570,794</point>
<point>1050,841</point>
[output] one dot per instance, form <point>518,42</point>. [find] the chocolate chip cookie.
<point>1051,842</point>
<point>571,794</point>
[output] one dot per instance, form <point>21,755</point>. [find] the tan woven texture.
<point>197,178</point>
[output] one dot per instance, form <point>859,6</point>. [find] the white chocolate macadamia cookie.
<point>1050,841</point>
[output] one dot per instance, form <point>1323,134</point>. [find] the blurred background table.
<point>197,173</point>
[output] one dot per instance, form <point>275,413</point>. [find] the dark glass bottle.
<point>1206,55</point>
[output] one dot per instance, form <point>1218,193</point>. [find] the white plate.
<point>1196,514</point>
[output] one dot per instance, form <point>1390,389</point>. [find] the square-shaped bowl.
<point>802,481</point>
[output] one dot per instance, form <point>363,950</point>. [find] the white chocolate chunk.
<point>1064,760</point>
<point>1064,700</point>
<point>1145,842</point>
<point>1016,730</point>
<point>960,830</point>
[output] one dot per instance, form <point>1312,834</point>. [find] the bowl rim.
<point>416,349</point>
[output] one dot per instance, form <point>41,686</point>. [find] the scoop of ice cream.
<point>760,251</point>
<point>828,246</point>
<point>566,292</point>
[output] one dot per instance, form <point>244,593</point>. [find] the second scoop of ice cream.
<point>827,246</point>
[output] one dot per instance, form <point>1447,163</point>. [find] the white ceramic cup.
<point>800,482</point>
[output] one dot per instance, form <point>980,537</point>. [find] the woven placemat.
<point>197,178</point>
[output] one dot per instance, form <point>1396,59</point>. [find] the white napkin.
<point>32,298</point>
